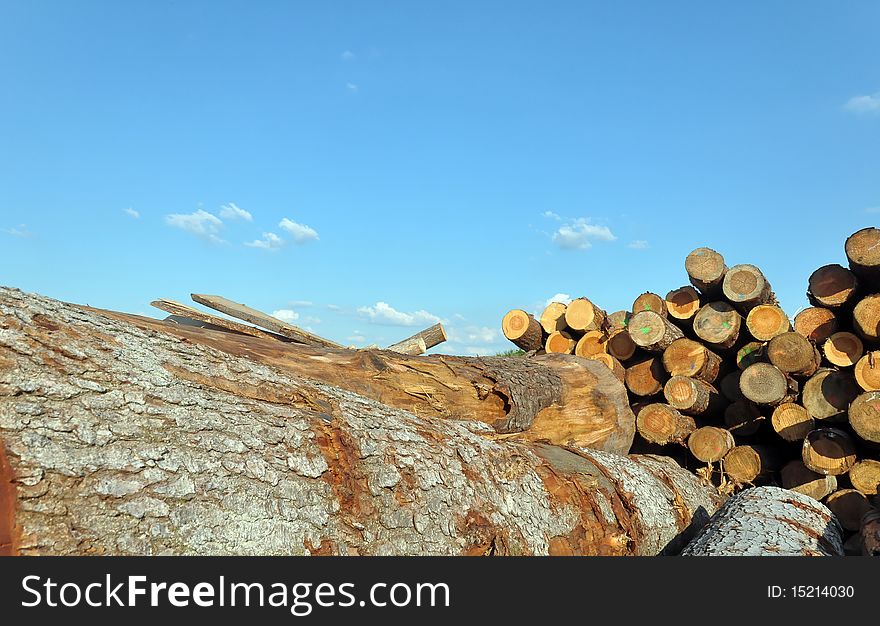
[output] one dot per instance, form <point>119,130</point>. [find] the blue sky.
<point>421,161</point>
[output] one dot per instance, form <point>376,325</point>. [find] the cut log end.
<point>863,251</point>
<point>766,321</point>
<point>843,349</point>
<point>718,324</point>
<point>828,451</point>
<point>763,383</point>
<point>611,363</point>
<point>832,286</point>
<point>582,315</point>
<point>662,424</point>
<point>746,286</point>
<point>865,476</point>
<point>816,323</point>
<point>867,371</point>
<point>652,331</point>
<point>745,464</point>
<point>710,444</point>
<point>791,421</point>
<point>705,268</point>
<point>646,377</point>
<point>620,345</point>
<point>866,318</point>
<point>828,394</point>
<point>560,342</point>
<point>849,505</point>
<point>683,303</point>
<point>798,477</point>
<point>523,330</point>
<point>593,342</point>
<point>793,354</point>
<point>649,301</point>
<point>689,395</point>
<point>553,317</point>
<point>864,416</point>
<point>685,357</point>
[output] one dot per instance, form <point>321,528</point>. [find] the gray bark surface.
<point>769,521</point>
<point>118,439</point>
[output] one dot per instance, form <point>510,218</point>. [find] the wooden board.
<point>181,310</point>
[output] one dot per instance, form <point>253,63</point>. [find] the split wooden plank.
<point>181,310</point>
<point>246,313</point>
<point>429,337</point>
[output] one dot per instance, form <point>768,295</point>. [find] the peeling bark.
<point>128,439</point>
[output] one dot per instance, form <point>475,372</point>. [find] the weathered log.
<point>746,464</point>
<point>828,451</point>
<point>706,269</point>
<point>248,314</point>
<point>646,377</point>
<point>617,321</point>
<point>123,435</point>
<point>793,354</point>
<point>431,336</point>
<point>747,287</point>
<point>849,505</point>
<point>798,477</point>
<point>691,396</point>
<point>864,416</point>
<point>181,310</point>
<point>865,476</point>
<point>718,324</point>
<point>582,315</point>
<point>769,521</point>
<point>523,330</point>
<point>866,318</point>
<point>766,321</point>
<point>832,286</point>
<point>870,533</point>
<point>843,349</point>
<point>685,357</point>
<point>863,252</point>
<point>710,444</point>
<point>649,301</point>
<point>743,418</point>
<point>662,424</point>
<point>652,331</point>
<point>828,394</point>
<point>620,345</point>
<point>682,304</point>
<point>816,323</point>
<point>751,353</point>
<point>763,383</point>
<point>791,421</point>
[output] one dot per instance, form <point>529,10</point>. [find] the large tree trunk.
<point>153,438</point>
<point>769,521</point>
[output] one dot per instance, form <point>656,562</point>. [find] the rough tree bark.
<point>769,521</point>
<point>124,439</point>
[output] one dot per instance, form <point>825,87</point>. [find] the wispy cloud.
<point>864,104</point>
<point>357,337</point>
<point>333,307</point>
<point>351,87</point>
<point>382,313</point>
<point>132,213</point>
<point>301,304</point>
<point>564,298</point>
<point>551,215</point>
<point>638,244</point>
<point>232,212</point>
<point>300,232</point>
<point>872,209</point>
<point>579,234</point>
<point>200,223</point>
<point>348,55</point>
<point>285,315</point>
<point>19,231</point>
<point>270,241</point>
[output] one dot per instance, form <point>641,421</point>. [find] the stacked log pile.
<point>723,381</point>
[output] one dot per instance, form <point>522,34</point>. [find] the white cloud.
<point>201,223</point>
<point>472,335</point>
<point>864,104</point>
<point>579,234</point>
<point>333,307</point>
<point>872,209</point>
<point>382,313</point>
<point>564,298</point>
<point>132,213</point>
<point>300,232</point>
<point>348,55</point>
<point>351,87</point>
<point>285,315</point>
<point>232,212</point>
<point>551,215</point>
<point>638,244</point>
<point>20,231</point>
<point>301,304</point>
<point>270,241</point>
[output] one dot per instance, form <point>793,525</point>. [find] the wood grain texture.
<point>184,311</point>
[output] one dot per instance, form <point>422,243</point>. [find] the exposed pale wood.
<point>583,315</point>
<point>646,377</point>
<point>710,444</point>
<point>791,421</point>
<point>766,321</point>
<point>706,269</point>
<point>816,323</point>
<point>793,354</point>
<point>553,317</point>
<point>181,310</point>
<point>743,418</point>
<point>763,383</point>
<point>832,286</point>
<point>865,476</point>
<point>864,416</point>
<point>746,287</point>
<point>769,521</point>
<point>413,346</point>
<point>246,313</point>
<point>843,349</point>
<point>685,357</point>
<point>849,505</point>
<point>652,331</point>
<point>523,330</point>
<point>432,336</point>
<point>620,345</point>
<point>560,342</point>
<point>690,395</point>
<point>611,363</point>
<point>662,424</point>
<point>683,303</point>
<point>751,353</point>
<point>828,394</point>
<point>863,252</point>
<point>867,371</point>
<point>184,447</point>
<point>593,342</point>
<point>866,318</point>
<point>800,478</point>
<point>748,463</point>
<point>718,324</point>
<point>649,301</point>
<point>828,451</point>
